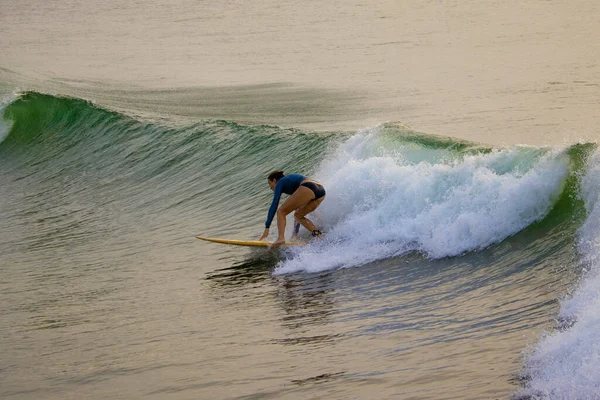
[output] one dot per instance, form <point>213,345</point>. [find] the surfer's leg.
<point>296,230</point>
<point>298,199</point>
<point>300,214</point>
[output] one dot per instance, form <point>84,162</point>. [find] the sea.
<point>458,145</point>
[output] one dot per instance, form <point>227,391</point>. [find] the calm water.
<point>458,263</point>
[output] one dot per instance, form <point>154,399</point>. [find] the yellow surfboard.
<point>255,243</point>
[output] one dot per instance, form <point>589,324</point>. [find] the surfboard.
<point>254,243</point>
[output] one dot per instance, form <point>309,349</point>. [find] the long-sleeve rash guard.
<point>288,185</point>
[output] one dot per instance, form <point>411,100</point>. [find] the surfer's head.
<point>274,177</point>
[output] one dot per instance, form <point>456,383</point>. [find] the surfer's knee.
<point>299,215</point>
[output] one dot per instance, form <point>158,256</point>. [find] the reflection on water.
<point>306,300</point>
<point>255,269</point>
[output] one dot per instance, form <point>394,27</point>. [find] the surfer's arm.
<point>272,210</point>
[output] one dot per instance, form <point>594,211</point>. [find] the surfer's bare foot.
<point>277,243</point>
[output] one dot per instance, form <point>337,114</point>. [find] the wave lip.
<point>389,195</point>
<point>566,364</point>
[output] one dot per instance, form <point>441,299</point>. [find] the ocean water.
<point>457,142</point>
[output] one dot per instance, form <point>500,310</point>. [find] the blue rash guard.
<point>288,185</point>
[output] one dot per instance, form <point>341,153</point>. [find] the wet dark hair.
<point>276,175</point>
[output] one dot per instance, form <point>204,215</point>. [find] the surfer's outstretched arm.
<point>272,210</point>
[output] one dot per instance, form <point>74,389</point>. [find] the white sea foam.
<point>5,125</point>
<point>566,364</point>
<point>386,199</point>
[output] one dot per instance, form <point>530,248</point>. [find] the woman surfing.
<point>305,196</point>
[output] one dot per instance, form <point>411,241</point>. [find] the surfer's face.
<point>272,184</point>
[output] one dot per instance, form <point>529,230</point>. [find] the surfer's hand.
<point>265,234</point>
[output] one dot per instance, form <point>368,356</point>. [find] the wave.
<point>390,190</point>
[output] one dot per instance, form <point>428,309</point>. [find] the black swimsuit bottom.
<point>317,189</point>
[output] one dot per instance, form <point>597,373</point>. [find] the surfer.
<point>306,196</point>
